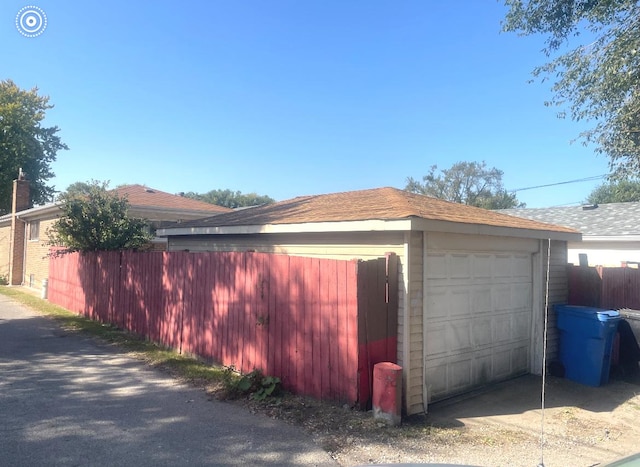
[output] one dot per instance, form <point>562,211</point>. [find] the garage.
<point>478,319</point>
<point>471,296</point>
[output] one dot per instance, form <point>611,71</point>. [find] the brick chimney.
<point>20,201</point>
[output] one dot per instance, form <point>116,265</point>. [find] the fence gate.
<point>377,319</point>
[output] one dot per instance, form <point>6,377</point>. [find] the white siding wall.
<point>347,245</point>
<point>414,367</point>
<point>558,291</point>
<point>608,254</point>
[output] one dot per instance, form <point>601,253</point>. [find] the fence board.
<point>602,287</point>
<point>292,317</point>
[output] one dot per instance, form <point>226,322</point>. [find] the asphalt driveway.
<point>69,400</point>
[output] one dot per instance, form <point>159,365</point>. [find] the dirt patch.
<point>583,426</point>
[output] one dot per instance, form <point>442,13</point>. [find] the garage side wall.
<point>412,335</point>
<point>558,290</point>
<point>346,246</point>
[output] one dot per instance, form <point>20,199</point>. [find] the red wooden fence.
<point>292,317</point>
<point>601,287</point>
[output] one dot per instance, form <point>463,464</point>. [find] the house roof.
<point>143,201</point>
<point>604,220</point>
<point>382,204</point>
<point>142,196</point>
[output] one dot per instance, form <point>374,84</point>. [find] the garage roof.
<point>385,205</point>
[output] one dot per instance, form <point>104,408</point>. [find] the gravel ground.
<point>583,426</point>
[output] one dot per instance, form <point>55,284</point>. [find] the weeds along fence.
<point>304,320</point>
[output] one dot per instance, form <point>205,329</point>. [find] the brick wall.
<point>19,202</point>
<point>5,235</point>
<point>36,267</point>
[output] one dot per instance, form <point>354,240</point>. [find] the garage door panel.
<point>502,297</point>
<point>481,300</point>
<point>521,295</point>
<point>460,375</point>
<point>482,266</point>
<point>483,368</point>
<point>459,336</point>
<point>503,267</point>
<point>460,267</point>
<point>481,332</point>
<point>478,319</point>
<point>501,363</point>
<point>501,328</point>
<point>520,360</point>
<point>437,383</point>
<point>521,266</point>
<point>438,303</point>
<point>460,301</point>
<point>438,269</point>
<point>436,340</point>
<point>521,326</point>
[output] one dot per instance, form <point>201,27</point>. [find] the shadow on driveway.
<point>66,399</point>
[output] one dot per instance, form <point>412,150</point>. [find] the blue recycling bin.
<point>586,341</point>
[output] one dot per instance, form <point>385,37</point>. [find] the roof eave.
<point>48,211</point>
<point>611,238</point>
<point>491,230</point>
<point>307,227</point>
<point>417,224</point>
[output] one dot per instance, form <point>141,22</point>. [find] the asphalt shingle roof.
<point>374,204</point>
<point>612,219</point>
<point>143,196</point>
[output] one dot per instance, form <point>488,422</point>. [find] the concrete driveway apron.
<point>69,400</point>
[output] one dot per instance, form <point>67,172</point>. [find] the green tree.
<point>470,183</point>
<point>231,199</point>
<point>97,220</point>
<point>25,143</point>
<point>594,51</point>
<point>78,188</point>
<point>620,191</point>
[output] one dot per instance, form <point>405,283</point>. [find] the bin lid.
<point>588,312</point>
<point>607,315</point>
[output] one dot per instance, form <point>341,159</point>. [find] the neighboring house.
<point>471,281</point>
<point>23,233</point>
<point>610,232</point>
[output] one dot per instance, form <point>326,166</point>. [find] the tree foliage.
<point>470,183</point>
<point>231,199</point>
<point>97,220</point>
<point>598,77</point>
<point>78,188</point>
<point>25,143</point>
<point>620,191</point>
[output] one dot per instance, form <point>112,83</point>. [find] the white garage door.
<point>478,320</point>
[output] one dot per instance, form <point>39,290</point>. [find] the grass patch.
<point>181,366</point>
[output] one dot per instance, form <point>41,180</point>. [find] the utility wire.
<point>544,353</point>
<point>586,179</point>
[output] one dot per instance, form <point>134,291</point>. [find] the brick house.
<point>23,233</point>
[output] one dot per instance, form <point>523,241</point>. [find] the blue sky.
<point>288,98</point>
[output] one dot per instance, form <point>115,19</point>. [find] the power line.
<point>586,179</point>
